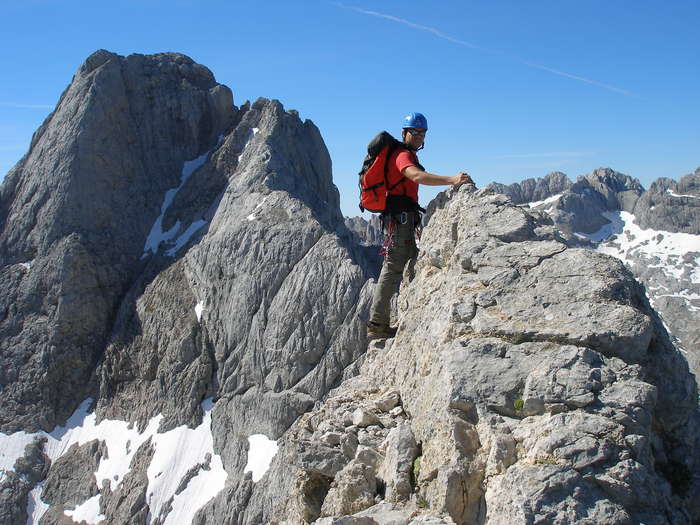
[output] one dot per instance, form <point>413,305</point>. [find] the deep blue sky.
<point>511,89</point>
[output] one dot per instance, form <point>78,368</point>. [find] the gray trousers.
<point>401,250</point>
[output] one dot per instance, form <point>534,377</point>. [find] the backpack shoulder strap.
<point>398,145</point>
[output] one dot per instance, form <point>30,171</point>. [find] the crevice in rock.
<point>381,488</point>
<point>677,474</point>
<point>314,488</point>
<point>414,473</point>
<point>213,386</point>
<point>543,258</point>
<point>518,338</point>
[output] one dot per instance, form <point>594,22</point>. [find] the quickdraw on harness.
<point>390,223</point>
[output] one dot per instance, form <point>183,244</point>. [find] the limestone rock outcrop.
<point>536,386</point>
<point>671,206</point>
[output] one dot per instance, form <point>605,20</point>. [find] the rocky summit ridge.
<point>529,382</point>
<point>178,285</point>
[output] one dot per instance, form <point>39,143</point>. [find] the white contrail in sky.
<point>432,30</point>
<point>455,40</point>
<point>576,77</point>
<point>25,106</point>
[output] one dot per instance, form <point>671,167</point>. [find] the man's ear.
<point>403,135</point>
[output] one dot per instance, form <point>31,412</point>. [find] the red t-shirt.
<point>399,160</point>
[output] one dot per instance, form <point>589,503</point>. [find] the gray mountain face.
<point>175,273</point>
<point>75,211</point>
<point>368,232</point>
<point>666,258</point>
<point>160,246</point>
<point>579,206</point>
<point>672,206</point>
<point>533,190</point>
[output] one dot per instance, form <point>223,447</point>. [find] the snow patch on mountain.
<point>198,309</point>
<point>673,194</point>
<point>36,508</point>
<point>252,216</point>
<point>88,512</point>
<point>613,228</point>
<point>260,454</point>
<point>176,453</point>
<point>675,255</point>
<point>157,235</point>
<point>548,200</point>
<point>252,134</point>
<point>185,237</point>
<point>624,239</point>
<point>695,274</point>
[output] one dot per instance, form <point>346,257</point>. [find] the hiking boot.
<point>380,331</point>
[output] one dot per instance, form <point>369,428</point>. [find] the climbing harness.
<point>389,226</point>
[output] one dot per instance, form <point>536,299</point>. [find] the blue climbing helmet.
<point>415,120</point>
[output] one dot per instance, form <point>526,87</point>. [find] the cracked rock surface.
<point>536,385</point>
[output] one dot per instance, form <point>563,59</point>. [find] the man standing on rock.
<point>401,217</point>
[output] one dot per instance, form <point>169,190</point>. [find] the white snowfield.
<point>185,236</point>
<point>176,452</point>
<point>672,194</point>
<point>88,512</point>
<point>260,454</point>
<point>668,247</point>
<point>671,252</point>
<point>548,200</point>
<point>157,235</point>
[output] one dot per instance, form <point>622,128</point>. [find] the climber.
<point>402,217</point>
